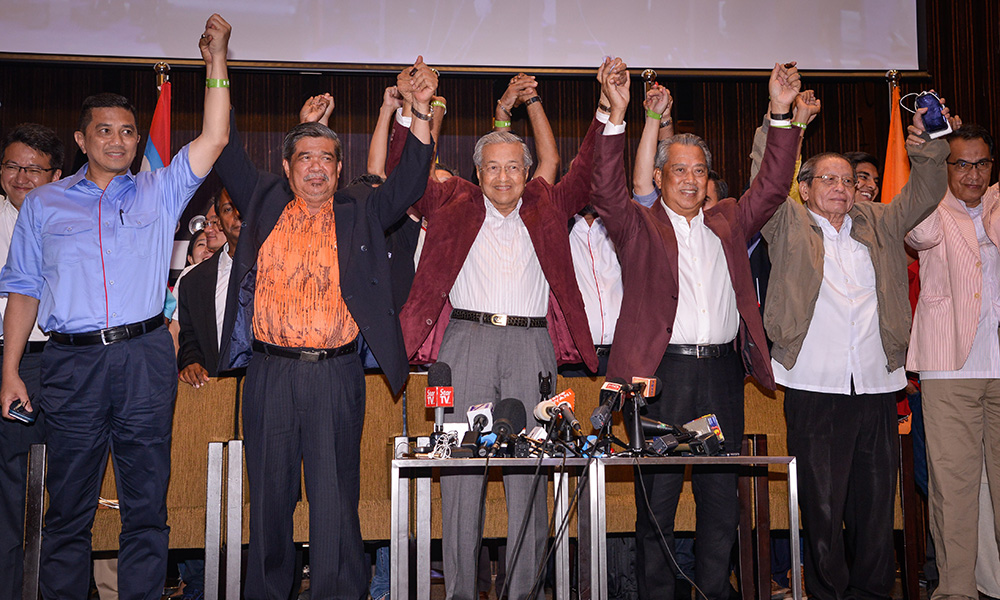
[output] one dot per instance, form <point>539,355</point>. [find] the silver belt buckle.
<point>498,320</point>
<point>309,355</point>
<point>104,340</point>
<point>700,354</point>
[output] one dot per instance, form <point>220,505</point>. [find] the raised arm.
<point>523,89</point>
<point>928,181</point>
<point>770,188</point>
<point>609,193</point>
<point>317,109</point>
<point>378,150</point>
<point>207,147</point>
<point>417,85</point>
<point>657,104</point>
<point>407,182</point>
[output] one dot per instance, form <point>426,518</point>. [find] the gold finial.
<point>892,77</point>
<point>162,73</point>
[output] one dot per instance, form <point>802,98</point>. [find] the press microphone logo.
<point>446,397</point>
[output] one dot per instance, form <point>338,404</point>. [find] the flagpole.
<point>162,73</point>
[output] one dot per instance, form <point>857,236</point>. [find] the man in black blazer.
<point>311,274</point>
<point>201,301</point>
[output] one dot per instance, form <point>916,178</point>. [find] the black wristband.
<point>782,117</point>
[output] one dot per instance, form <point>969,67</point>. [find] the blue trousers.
<point>15,441</point>
<point>95,397</point>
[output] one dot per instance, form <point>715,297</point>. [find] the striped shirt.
<point>502,274</point>
<point>298,303</point>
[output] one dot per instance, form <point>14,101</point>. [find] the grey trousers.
<point>489,364</point>
<point>961,418</point>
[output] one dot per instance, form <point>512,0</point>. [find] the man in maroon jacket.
<point>689,307</point>
<point>497,271</point>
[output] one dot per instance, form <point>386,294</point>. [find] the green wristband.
<point>797,124</point>
<point>216,83</point>
<point>499,123</point>
<point>652,114</point>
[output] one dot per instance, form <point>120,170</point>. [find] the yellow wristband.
<point>499,123</point>
<point>216,83</point>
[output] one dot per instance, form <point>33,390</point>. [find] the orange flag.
<point>897,164</point>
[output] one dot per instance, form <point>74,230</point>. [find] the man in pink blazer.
<point>955,347</point>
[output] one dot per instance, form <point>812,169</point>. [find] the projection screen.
<point>852,35</point>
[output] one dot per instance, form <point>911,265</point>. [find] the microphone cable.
<point>663,539</point>
<point>524,524</point>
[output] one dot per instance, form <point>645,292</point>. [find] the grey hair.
<point>304,130</point>
<point>684,139</point>
<point>808,169</point>
<point>500,137</point>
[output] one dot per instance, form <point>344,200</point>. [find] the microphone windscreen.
<point>543,410</point>
<point>439,374</point>
<point>509,417</point>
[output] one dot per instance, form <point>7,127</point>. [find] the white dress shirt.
<point>984,356</point>
<point>598,275</point>
<point>502,274</point>
<point>843,340</point>
<point>706,300</point>
<point>222,289</point>
<point>8,216</point>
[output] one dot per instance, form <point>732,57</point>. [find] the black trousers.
<point>122,396</point>
<point>15,441</point>
<point>304,416</point>
<point>692,388</point>
<point>847,451</point>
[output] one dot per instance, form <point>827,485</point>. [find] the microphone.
<point>649,387</point>
<point>610,401</point>
<point>544,385</point>
<point>439,393</point>
<point>653,428</point>
<point>509,419</point>
<point>560,407</point>
<point>706,424</point>
<point>480,418</point>
<point>566,402</point>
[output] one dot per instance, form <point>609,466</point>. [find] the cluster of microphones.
<point>502,429</point>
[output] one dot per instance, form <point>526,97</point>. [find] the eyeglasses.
<point>512,170</point>
<point>11,168</point>
<point>212,223</point>
<point>964,166</point>
<point>832,180</point>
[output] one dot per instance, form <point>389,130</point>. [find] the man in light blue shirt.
<point>90,257</point>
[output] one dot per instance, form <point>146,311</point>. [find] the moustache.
<point>320,176</point>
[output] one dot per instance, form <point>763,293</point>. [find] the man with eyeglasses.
<point>89,258</point>
<point>497,258</point>
<point>31,155</point>
<point>955,348</point>
<point>838,314</point>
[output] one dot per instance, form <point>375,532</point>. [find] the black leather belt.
<point>603,349</point>
<point>702,350</point>
<point>306,354</point>
<point>110,335</point>
<point>29,348</point>
<point>497,320</point>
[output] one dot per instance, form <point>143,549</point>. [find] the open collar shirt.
<point>842,344</point>
<point>98,258</point>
